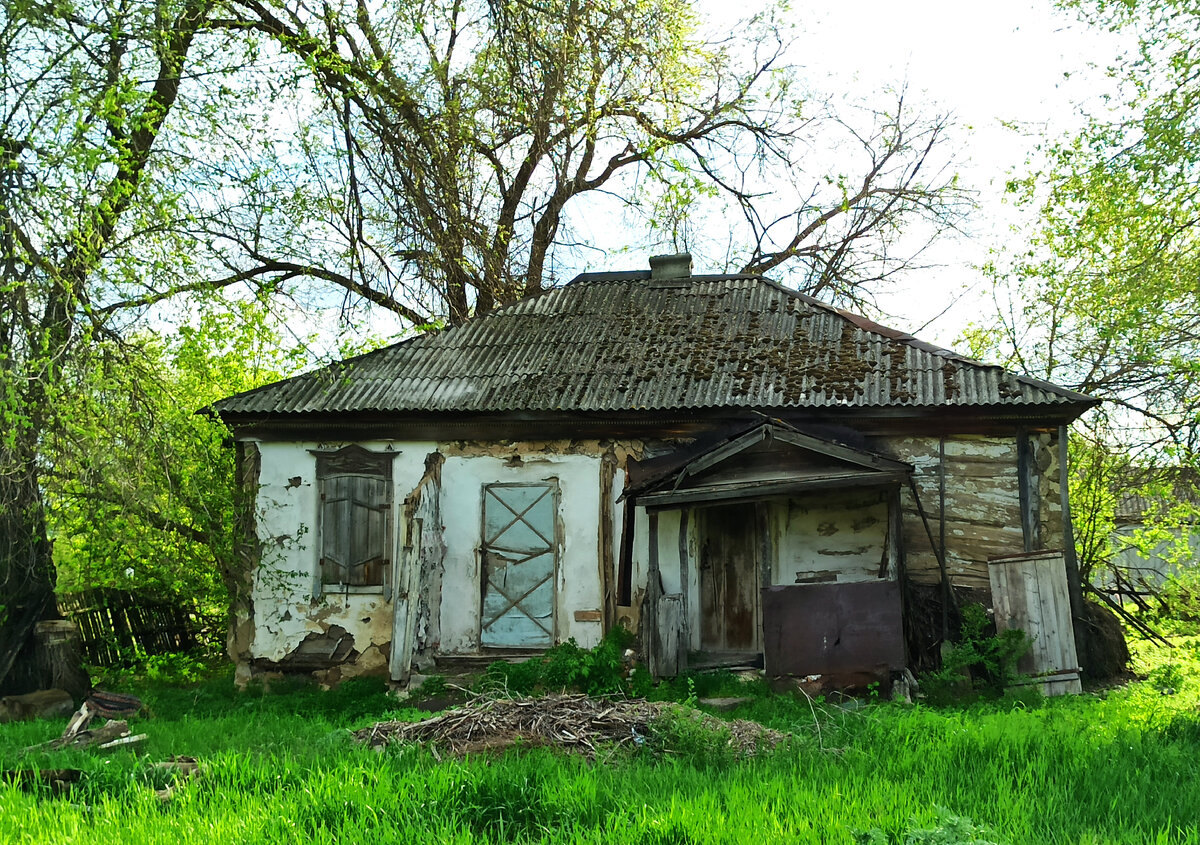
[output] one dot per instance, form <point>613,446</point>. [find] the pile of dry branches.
<point>574,721</point>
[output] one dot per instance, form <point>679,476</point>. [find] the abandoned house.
<point>736,472</point>
<point>1155,535</point>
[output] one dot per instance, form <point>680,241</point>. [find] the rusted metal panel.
<point>832,629</point>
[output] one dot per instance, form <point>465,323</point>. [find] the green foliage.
<point>686,734</point>
<point>279,768</point>
<point>603,671</point>
<point>140,487</point>
<point>693,686</point>
<point>433,686</point>
<point>1176,604</point>
<point>981,662</point>
<point>1100,294</point>
<point>597,671</point>
<point>949,830</point>
<point>173,668</point>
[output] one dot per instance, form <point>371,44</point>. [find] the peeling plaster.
<point>446,554</point>
<point>284,609</point>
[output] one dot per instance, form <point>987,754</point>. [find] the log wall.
<point>982,512</point>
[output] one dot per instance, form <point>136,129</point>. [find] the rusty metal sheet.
<point>832,629</point>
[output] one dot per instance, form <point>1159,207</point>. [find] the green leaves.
<point>139,486</point>
<point>1103,294</point>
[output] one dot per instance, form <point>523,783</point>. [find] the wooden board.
<point>1029,592</point>
<point>669,618</point>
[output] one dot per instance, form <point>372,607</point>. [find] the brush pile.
<point>576,722</point>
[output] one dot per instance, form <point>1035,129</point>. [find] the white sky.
<point>987,63</point>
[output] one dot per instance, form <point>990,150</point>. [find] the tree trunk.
<point>26,565</point>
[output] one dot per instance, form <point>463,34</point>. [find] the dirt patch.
<point>574,722</point>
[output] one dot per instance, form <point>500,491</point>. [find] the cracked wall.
<point>434,606</point>
<point>285,612</point>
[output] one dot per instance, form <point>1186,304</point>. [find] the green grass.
<point>280,767</point>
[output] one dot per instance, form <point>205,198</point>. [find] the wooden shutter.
<point>355,531</point>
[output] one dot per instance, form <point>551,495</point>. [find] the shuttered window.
<point>355,519</point>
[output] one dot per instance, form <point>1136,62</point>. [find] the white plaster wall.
<point>577,584</point>
<point>284,609</point>
<point>668,551</point>
<point>640,555</point>
<point>843,534</point>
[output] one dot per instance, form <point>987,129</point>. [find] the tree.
<point>1104,297</point>
<point>476,137</point>
<point>140,487</point>
<point>86,91</point>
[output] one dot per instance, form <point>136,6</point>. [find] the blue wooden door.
<point>518,565</point>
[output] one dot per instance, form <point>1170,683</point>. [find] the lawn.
<point>280,766</point>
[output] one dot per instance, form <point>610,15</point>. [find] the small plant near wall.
<point>981,663</point>
<point>597,671</point>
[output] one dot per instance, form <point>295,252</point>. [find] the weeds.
<point>949,830</point>
<point>567,666</point>
<point>980,663</point>
<point>279,768</point>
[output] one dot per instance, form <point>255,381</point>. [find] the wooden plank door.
<point>519,551</point>
<point>730,614</point>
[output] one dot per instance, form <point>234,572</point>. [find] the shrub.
<point>596,671</point>
<point>949,830</point>
<point>990,660</point>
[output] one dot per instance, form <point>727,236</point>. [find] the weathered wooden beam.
<point>844,453</point>
<point>650,599</point>
<point>721,453</point>
<point>685,623</point>
<point>1027,490</point>
<point>939,552</point>
<point>1070,559</point>
<point>758,490</point>
<point>606,550</point>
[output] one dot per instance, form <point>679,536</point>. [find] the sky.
<point>988,63</point>
<point>991,65</point>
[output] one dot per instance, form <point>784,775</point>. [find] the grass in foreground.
<point>280,767</point>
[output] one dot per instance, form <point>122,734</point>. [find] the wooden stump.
<point>60,658</point>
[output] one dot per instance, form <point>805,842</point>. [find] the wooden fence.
<point>114,625</point>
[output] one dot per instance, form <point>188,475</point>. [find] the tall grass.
<point>280,767</point>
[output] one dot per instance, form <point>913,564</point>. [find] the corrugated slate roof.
<point>621,342</point>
